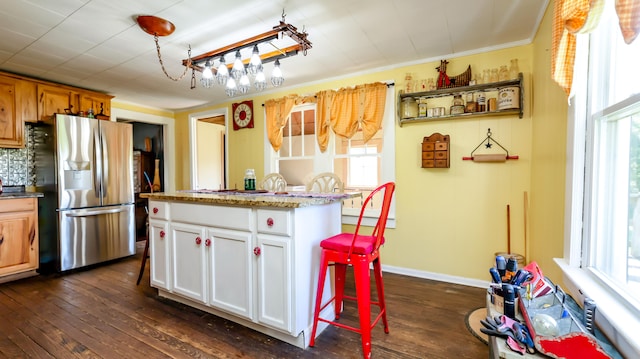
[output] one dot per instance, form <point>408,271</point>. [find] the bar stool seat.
<point>359,251</point>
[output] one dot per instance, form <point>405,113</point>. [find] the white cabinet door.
<point>159,254</point>
<point>231,271</point>
<point>189,247</point>
<point>274,281</point>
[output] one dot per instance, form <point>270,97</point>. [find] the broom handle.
<point>508,229</point>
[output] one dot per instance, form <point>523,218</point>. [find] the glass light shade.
<point>231,89</point>
<point>255,64</point>
<point>238,67</point>
<point>207,75</point>
<point>260,82</point>
<point>223,73</point>
<point>276,75</point>
<point>244,84</point>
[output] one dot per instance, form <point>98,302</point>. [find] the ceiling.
<point>97,44</point>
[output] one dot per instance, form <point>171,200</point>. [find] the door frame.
<point>168,138</point>
<point>193,142</point>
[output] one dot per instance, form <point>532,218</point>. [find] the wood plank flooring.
<point>101,313</point>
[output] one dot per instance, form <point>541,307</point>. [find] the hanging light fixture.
<point>255,63</point>
<point>222,73</point>
<point>276,75</point>
<point>244,84</point>
<point>207,75</point>
<point>230,88</point>
<point>236,79</point>
<point>260,82</point>
<point>237,71</point>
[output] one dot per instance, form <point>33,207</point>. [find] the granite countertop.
<point>252,199</point>
<point>12,192</point>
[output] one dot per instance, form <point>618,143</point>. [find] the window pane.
<point>616,235</point>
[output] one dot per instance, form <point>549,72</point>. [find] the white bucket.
<point>508,98</point>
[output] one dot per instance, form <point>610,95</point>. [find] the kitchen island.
<point>249,257</point>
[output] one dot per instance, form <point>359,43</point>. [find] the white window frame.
<point>615,315</point>
<point>323,162</point>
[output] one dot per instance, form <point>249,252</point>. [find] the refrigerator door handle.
<point>87,213</point>
<point>105,163</point>
<point>97,161</point>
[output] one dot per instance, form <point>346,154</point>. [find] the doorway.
<point>207,134</point>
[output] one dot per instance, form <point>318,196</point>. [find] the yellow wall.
<point>548,158</point>
<point>452,221</point>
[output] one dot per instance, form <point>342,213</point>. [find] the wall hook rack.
<point>487,142</point>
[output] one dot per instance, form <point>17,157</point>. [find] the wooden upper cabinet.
<point>56,99</point>
<point>28,100</point>
<point>100,103</point>
<point>11,123</point>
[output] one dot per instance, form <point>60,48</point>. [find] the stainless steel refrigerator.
<point>84,166</point>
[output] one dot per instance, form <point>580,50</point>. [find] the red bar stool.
<point>359,251</point>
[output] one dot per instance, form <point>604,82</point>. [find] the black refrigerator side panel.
<point>45,149</point>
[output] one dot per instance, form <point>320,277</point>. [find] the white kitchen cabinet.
<point>273,256</point>
<point>159,254</point>
<point>231,265</point>
<point>159,245</point>
<point>189,261</point>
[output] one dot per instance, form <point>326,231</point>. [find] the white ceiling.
<point>97,44</point>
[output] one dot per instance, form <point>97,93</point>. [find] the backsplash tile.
<point>17,165</point>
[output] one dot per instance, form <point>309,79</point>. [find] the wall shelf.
<point>450,92</point>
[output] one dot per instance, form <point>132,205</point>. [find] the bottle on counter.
<point>0,185</point>
<point>250,180</point>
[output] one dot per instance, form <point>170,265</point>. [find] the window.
<point>606,111</point>
<point>361,166</point>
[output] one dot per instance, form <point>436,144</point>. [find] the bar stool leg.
<point>145,255</point>
<point>377,270</point>
<point>340,277</point>
<point>322,274</point>
<point>363,294</point>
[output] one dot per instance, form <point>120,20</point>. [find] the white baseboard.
<point>436,276</point>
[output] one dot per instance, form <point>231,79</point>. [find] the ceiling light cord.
<point>186,69</point>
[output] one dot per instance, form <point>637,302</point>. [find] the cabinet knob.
<point>198,240</point>
<point>270,222</point>
<point>162,234</point>
<point>256,251</point>
<point>155,210</point>
<point>207,242</point>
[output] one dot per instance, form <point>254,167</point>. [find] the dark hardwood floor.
<point>101,313</point>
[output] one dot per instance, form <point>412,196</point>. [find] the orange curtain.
<point>570,17</point>
<point>323,117</point>
<point>629,18</point>
<point>349,109</point>
<point>277,111</point>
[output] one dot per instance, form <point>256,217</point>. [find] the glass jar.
<point>409,107</point>
<point>481,101</point>
<point>422,108</point>
<point>457,100</point>
<point>494,77</point>
<point>503,74</point>
<point>250,180</point>
<point>514,71</point>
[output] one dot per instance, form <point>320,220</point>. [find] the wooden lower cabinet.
<point>18,237</point>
